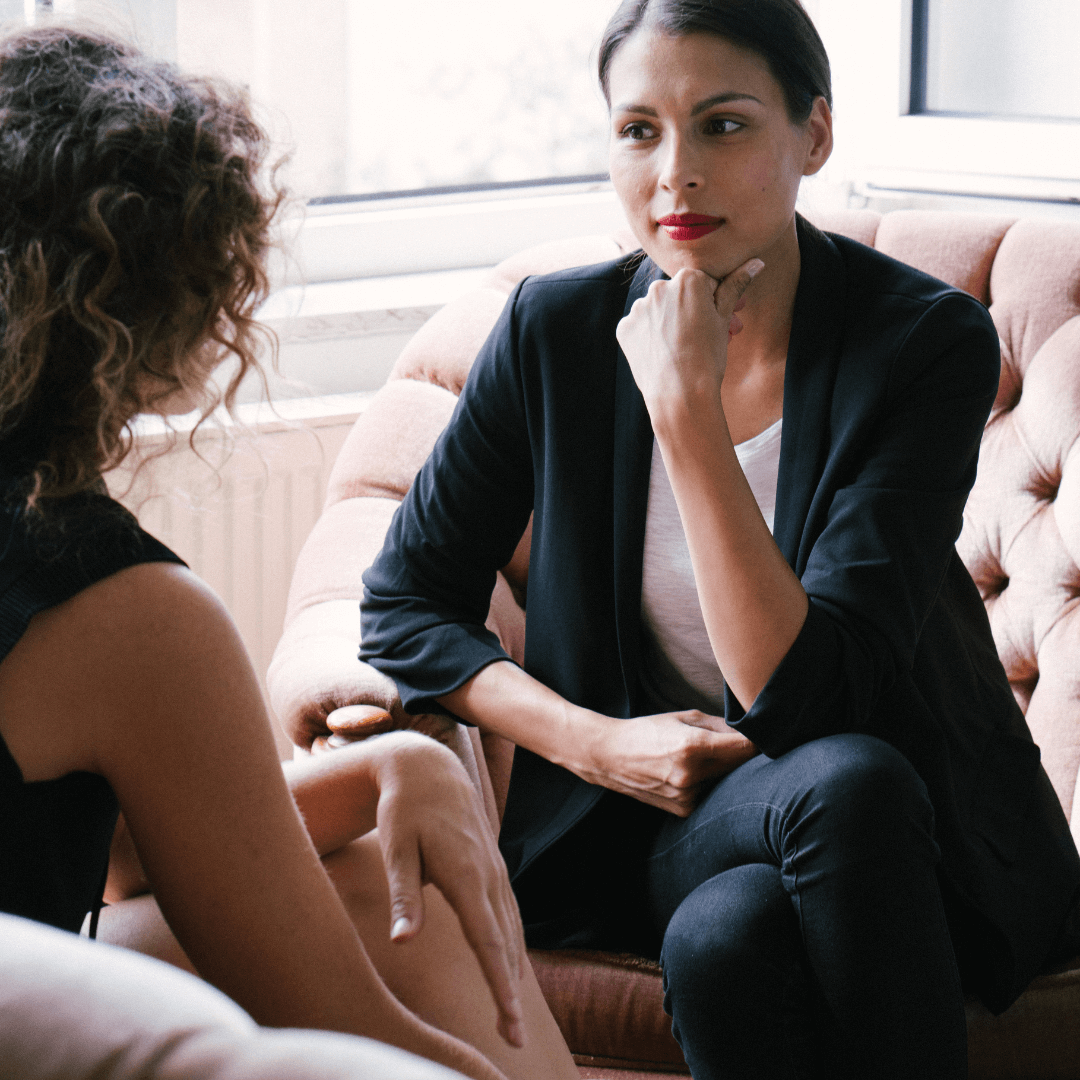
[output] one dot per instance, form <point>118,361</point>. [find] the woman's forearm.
<point>664,760</point>
<point>503,699</point>
<point>752,603</point>
<point>336,793</point>
<point>676,342</point>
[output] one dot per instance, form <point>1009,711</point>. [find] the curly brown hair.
<point>134,229</point>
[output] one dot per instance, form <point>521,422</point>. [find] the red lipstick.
<point>689,226</point>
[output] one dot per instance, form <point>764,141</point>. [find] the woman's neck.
<point>753,389</point>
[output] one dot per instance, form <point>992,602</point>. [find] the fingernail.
<point>754,267</point>
<point>400,928</point>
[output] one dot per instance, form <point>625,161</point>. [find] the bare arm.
<point>432,829</point>
<point>159,697</point>
<point>662,760</point>
<point>754,606</point>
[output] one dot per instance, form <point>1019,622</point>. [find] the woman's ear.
<point>819,136</point>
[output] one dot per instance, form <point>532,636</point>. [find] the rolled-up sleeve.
<point>427,594</point>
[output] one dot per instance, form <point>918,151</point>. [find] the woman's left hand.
<point>432,829</point>
<point>676,336</point>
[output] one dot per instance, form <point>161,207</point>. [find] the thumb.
<point>729,291</point>
<point>406,898</point>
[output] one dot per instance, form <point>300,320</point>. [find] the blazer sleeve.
<point>874,571</point>
<point>427,594</point>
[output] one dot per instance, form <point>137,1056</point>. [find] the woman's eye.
<point>635,130</point>
<point>719,125</point>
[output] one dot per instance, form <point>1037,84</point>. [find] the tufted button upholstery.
<point>1020,540</point>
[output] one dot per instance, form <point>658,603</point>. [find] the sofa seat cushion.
<point>610,1009</point>
<point>1036,1038</point>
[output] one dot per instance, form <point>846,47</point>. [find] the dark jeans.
<point>803,928</point>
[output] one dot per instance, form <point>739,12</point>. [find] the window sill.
<point>1024,189</point>
<point>341,242</point>
<point>326,410</point>
<point>364,306</point>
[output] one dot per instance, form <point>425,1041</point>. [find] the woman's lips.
<point>689,226</point>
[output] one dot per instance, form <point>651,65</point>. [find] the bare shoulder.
<point>144,642</point>
<point>135,600</point>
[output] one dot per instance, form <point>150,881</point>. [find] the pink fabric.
<point>960,253</point>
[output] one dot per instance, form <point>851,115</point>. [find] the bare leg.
<point>435,974</point>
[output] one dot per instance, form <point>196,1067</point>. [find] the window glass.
<point>367,96</point>
<point>1009,58</point>
<point>374,96</point>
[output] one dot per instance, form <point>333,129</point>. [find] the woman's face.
<point>704,156</point>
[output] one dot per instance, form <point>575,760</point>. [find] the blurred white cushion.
<point>73,1009</point>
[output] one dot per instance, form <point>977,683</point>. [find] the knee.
<point>863,784</point>
<point>726,931</point>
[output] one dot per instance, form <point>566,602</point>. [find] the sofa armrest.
<point>315,671</point>
<point>325,697</point>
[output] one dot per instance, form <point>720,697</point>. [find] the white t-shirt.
<point>679,660</point>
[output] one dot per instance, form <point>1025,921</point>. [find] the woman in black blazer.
<point>866,828</point>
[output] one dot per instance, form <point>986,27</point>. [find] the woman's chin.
<point>671,262</point>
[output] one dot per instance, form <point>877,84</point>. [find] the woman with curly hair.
<point>133,234</point>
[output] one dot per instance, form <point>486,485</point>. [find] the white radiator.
<point>240,517</point>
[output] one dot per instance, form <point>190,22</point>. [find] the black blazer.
<point>890,378</point>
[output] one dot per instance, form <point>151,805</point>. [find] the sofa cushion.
<point>391,458</point>
<point>609,1007</point>
<point>72,1009</point>
<point>957,248</point>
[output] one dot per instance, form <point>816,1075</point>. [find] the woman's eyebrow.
<point>722,99</point>
<point>701,106</point>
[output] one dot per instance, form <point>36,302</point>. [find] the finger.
<point>515,931</point>
<point>729,292</point>
<point>334,741</point>
<point>403,876</point>
<point>485,937</point>
<point>359,721</point>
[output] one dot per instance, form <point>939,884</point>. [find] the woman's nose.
<point>681,167</point>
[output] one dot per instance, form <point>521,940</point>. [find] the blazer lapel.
<point>812,360</point>
<point>633,458</point>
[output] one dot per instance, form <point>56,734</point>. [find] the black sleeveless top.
<point>55,834</point>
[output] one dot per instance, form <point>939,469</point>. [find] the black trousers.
<point>804,933</point>
<point>797,914</point>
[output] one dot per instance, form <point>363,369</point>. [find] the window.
<point>377,97</point>
<point>968,97</point>
<point>414,131</point>
<point>1003,58</point>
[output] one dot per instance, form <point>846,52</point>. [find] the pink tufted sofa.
<point>1021,541</point>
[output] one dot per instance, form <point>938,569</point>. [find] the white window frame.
<point>424,233</point>
<point>886,148</point>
